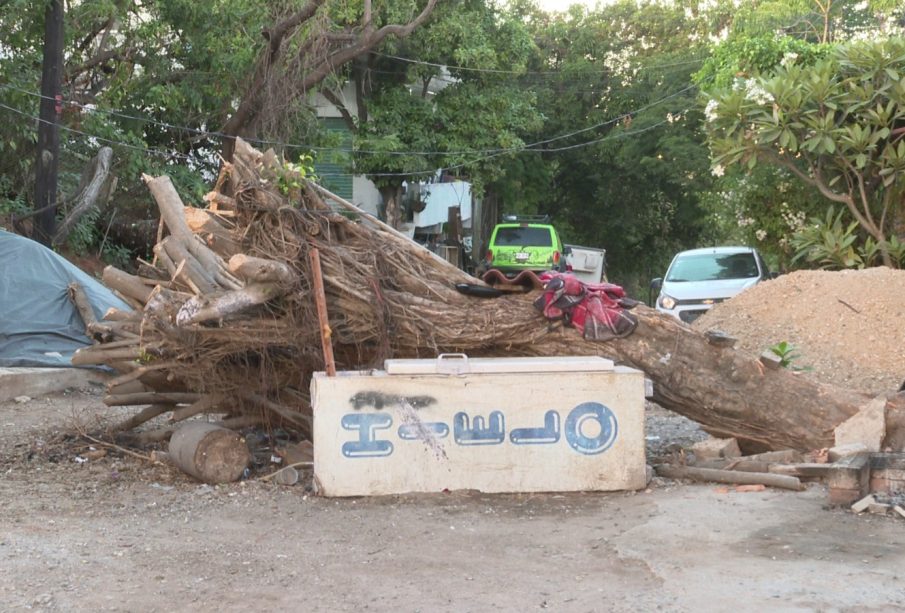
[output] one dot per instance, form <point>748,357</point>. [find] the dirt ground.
<point>120,534</point>
<point>847,327</point>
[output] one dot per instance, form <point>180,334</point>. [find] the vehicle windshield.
<point>519,236</point>
<point>712,267</point>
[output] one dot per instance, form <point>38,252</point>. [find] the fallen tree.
<point>241,336</point>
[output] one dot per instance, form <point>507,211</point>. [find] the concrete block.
<point>849,476</point>
<point>899,511</point>
<point>714,448</point>
<point>878,508</point>
<point>377,432</point>
<point>37,382</point>
<point>867,426</point>
<point>863,504</point>
<point>835,454</point>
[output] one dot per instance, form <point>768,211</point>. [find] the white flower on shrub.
<point>789,58</point>
<point>718,170</point>
<point>710,110</point>
<point>756,93</point>
<point>761,234</point>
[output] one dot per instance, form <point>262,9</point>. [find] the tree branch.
<point>342,56</point>
<point>335,101</point>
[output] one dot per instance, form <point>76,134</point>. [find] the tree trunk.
<point>392,204</point>
<point>95,188</point>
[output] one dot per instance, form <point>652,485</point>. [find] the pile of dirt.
<point>847,327</point>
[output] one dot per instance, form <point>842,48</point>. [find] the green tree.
<point>622,141</point>
<point>836,125</point>
<point>457,106</point>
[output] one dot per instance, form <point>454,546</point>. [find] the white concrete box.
<point>489,424</point>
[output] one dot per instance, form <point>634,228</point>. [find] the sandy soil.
<point>120,534</point>
<point>847,327</point>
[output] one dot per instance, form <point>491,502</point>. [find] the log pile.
<point>226,320</point>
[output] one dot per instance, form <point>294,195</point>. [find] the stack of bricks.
<point>853,477</point>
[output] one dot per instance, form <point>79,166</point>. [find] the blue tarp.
<point>39,325</point>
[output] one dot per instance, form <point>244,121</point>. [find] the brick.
<point>863,504</point>
<point>843,497</point>
<point>754,487</point>
<point>880,482</point>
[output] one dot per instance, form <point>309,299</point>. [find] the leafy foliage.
<point>833,124</point>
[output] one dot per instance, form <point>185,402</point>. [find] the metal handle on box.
<point>452,363</point>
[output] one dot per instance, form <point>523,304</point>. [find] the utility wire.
<point>526,72</point>
<point>206,133</point>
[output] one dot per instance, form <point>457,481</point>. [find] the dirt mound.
<point>847,326</point>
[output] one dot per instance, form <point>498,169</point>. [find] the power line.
<point>171,155</point>
<point>102,139</point>
<point>528,146</point>
<point>525,72</point>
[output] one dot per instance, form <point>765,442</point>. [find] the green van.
<point>525,243</point>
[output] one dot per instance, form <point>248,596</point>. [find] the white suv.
<point>699,278</point>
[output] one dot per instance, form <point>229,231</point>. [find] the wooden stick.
<point>96,354</point>
<point>728,476</point>
<point>139,372</point>
<point>147,413</point>
<point>320,298</point>
<point>206,404</point>
<point>114,314</point>
<point>130,387</point>
<point>117,448</point>
<point>117,400</point>
<point>80,299</point>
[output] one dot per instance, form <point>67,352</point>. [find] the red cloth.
<point>597,309</point>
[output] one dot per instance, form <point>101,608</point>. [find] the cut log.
<point>728,476</point>
<point>128,285</point>
<point>260,270</point>
<point>209,453</point>
<point>215,235</point>
<point>222,305</point>
<point>172,210</point>
<point>80,300</point>
<point>99,354</point>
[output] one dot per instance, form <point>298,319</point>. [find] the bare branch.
<point>338,58</point>
<point>340,106</point>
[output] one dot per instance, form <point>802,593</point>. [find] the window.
<point>713,267</point>
<point>521,236</point>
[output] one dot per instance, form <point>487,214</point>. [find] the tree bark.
<point>209,452</point>
<point>95,188</point>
